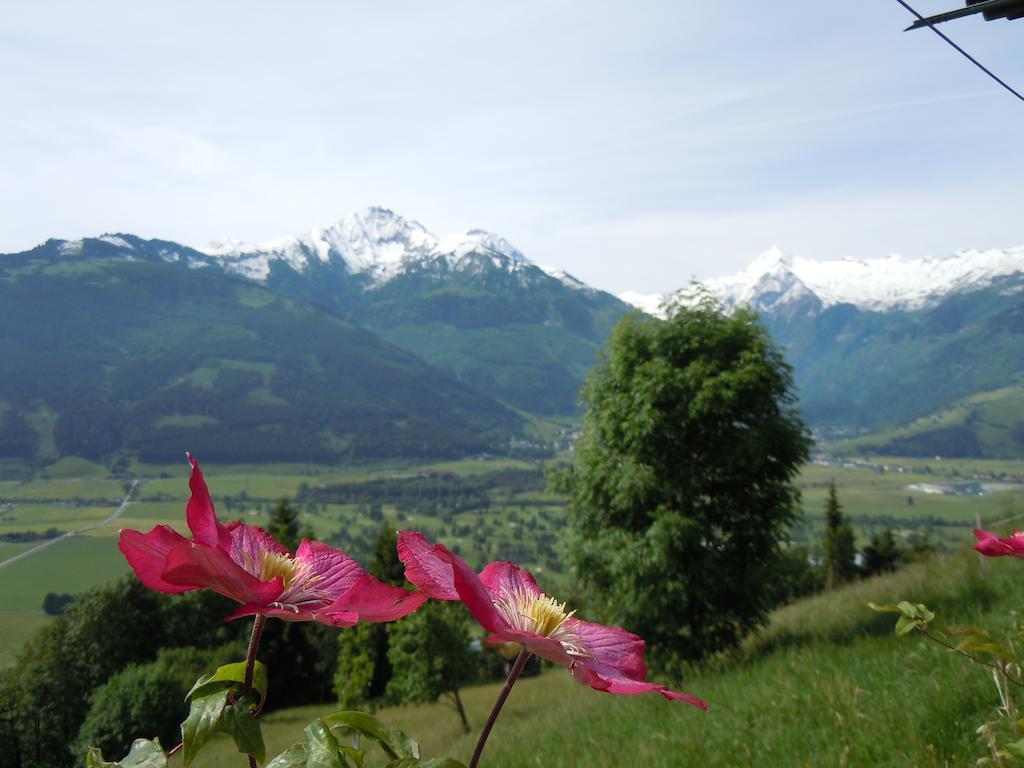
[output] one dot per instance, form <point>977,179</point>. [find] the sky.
<point>635,145</point>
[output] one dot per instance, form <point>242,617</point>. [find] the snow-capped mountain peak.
<point>775,280</point>
<point>479,241</point>
<point>375,242</point>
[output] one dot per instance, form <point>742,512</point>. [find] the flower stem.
<point>517,669</point>
<point>250,664</point>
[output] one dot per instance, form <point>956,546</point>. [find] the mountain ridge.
<point>376,243</point>
<point>776,278</point>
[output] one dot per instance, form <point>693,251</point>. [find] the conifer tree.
<point>840,552</point>
<point>284,524</point>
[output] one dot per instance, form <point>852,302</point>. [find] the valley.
<point>484,509</point>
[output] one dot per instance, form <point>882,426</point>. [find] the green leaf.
<point>905,625</point>
<point>294,756</point>
<point>969,632</point>
<point>434,762</point>
<point>924,614</point>
<point>972,645</point>
<point>907,609</point>
<point>392,740</point>
<point>227,676</point>
<point>887,608</point>
<point>238,722</point>
<point>1016,749</point>
<point>322,749</point>
<point>357,756</point>
<point>143,754</point>
<point>203,720</point>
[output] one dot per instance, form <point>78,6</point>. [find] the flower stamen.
<point>540,615</point>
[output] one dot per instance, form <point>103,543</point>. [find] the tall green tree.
<point>882,554</point>
<point>363,668</point>
<point>430,657</point>
<point>682,489</point>
<point>840,560</point>
<point>284,524</point>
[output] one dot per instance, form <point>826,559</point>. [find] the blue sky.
<point>634,145</point>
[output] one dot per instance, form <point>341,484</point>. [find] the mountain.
<point>470,303</point>
<point>118,345</point>
<point>881,343</point>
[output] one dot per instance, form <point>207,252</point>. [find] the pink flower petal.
<point>992,546</point>
<point>545,647</point>
<point>196,565</point>
<point>474,594</point>
<point>336,572</point>
<point>589,673</point>
<point>424,566</point>
<point>251,609</point>
<point>613,647</point>
<point>147,554</point>
<point>505,579</point>
<point>249,542</point>
<point>202,520</point>
<point>615,663</point>
<point>339,619</point>
<point>373,600</point>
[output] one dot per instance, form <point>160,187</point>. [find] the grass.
<point>824,683</point>
<point>66,489</point>
<point>827,684</point>
<point>878,498</point>
<point>512,527</point>
<point>991,416</point>
<point>39,517</point>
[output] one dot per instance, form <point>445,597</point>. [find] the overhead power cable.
<point>964,53</point>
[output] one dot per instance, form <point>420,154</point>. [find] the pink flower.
<point>507,602</point>
<point>245,563</point>
<point>991,545</point>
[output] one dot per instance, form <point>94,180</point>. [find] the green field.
<point>518,522</point>
<point>826,684</point>
<point>879,495</point>
<point>984,424</point>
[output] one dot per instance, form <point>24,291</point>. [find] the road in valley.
<point>50,542</point>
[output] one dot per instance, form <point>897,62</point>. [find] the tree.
<point>141,700</point>
<point>384,562</point>
<point>284,524</point>
<point>683,483</point>
<point>840,560</point>
<point>363,670</point>
<point>54,604</point>
<point>882,554</point>
<point>430,656</point>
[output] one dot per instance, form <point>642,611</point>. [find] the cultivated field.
<point>485,509</point>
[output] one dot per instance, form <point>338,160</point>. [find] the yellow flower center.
<point>539,614</point>
<point>273,565</point>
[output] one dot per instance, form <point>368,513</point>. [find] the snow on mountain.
<point>651,303</point>
<point>775,279</point>
<point>375,242</point>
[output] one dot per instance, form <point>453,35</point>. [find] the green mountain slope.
<point>985,425</point>
<point>509,330</point>
<point>102,354</point>
<point>858,370</point>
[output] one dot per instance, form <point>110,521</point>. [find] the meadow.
<point>485,509</point>
<point>824,684</point>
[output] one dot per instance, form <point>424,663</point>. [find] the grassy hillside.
<point>512,332</point>
<point>984,425</point>
<point>825,684</point>
<point>859,369</point>
<point>133,355</point>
